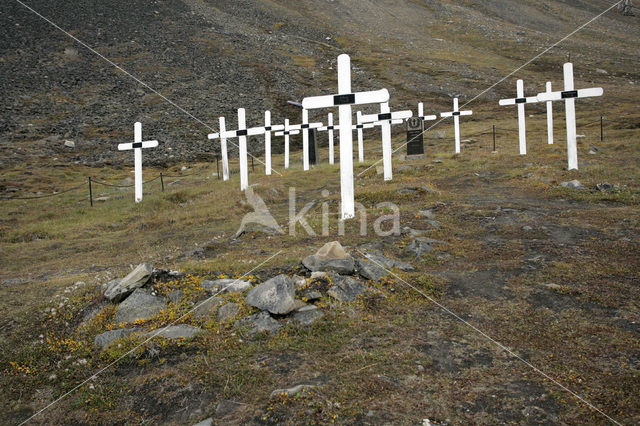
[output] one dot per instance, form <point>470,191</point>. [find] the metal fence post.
<point>90,192</point>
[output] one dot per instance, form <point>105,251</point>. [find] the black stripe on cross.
<point>521,100</point>
<point>385,116</point>
<point>305,126</point>
<point>136,145</point>
<point>242,132</point>
<point>456,113</point>
<point>287,132</point>
<point>347,99</point>
<point>330,127</point>
<point>267,129</point>
<point>360,126</point>
<point>569,94</point>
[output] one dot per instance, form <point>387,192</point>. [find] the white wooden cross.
<point>456,113</point>
<point>520,100</point>
<point>344,100</point>
<point>329,129</point>
<point>425,117</point>
<point>137,146</point>
<point>360,136</point>
<point>241,134</point>
<point>266,131</point>
<point>287,130</point>
<point>223,148</point>
<point>549,115</point>
<point>385,119</point>
<point>569,95</point>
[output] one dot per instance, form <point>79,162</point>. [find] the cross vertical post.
<point>223,151</point>
<point>286,143</point>
<point>346,140</point>
<point>267,143</point>
<point>570,110</point>
<point>137,146</point>
<point>305,139</point>
<point>549,115</point>
<point>522,125</point>
<point>386,143</point>
<point>242,149</point>
<point>456,113</point>
<point>360,137</point>
<point>330,133</point>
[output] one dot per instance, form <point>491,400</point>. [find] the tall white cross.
<point>385,119</point>
<point>456,113</point>
<point>425,117</point>
<point>223,148</point>
<point>569,95</point>
<point>344,100</point>
<point>520,100</point>
<point>137,146</point>
<point>329,129</point>
<point>286,132</point>
<point>241,134</point>
<point>549,115</point>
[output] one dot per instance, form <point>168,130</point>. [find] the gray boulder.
<point>345,289</point>
<point>136,279</point>
<point>226,285</point>
<point>228,311</point>
<point>574,184</point>
<point>307,315</point>
<point>378,258</point>
<point>173,332</point>
<point>262,322</point>
<point>140,305</point>
<point>421,246</point>
<point>291,391</point>
<point>370,270</point>
<point>276,295</point>
<point>330,258</point>
<point>108,337</point>
<point>207,308</point>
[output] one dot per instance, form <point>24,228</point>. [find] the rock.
<point>175,296</point>
<point>330,258</point>
<point>69,144</point>
<point>228,311</point>
<point>427,213</point>
<point>275,295</point>
<point>174,332</point>
<point>262,322</point>
<point>574,184</point>
<point>291,391</point>
<point>434,223</point>
<point>105,339</point>
<point>413,232</point>
<point>226,285</point>
<point>299,281</point>
<point>111,284</point>
<point>136,279</point>
<point>311,295</point>
<point>370,270</point>
<point>101,199</point>
<point>345,289</point>
<point>601,71</point>
<point>377,257</point>
<point>140,305</point>
<point>307,315</point>
<point>207,308</point>
<point>604,187</point>
<point>226,407</point>
<point>319,275</point>
<point>421,246</point>
<point>205,422</point>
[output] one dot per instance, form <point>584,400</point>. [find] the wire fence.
<point>494,131</point>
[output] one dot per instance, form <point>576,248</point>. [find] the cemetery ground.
<point>550,272</point>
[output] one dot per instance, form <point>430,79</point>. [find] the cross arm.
<point>515,101</point>
<point>455,113</point>
<point>568,94</point>
<point>358,98</point>
<point>134,145</point>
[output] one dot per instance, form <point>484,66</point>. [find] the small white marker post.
<point>385,119</point>
<point>304,127</point>
<point>137,146</point>
<point>329,129</point>
<point>456,113</point>
<point>569,96</point>
<point>344,100</point>
<point>549,115</point>
<point>425,117</point>
<point>520,100</point>
<point>287,130</point>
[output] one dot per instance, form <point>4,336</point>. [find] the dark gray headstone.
<point>313,146</point>
<point>415,139</point>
